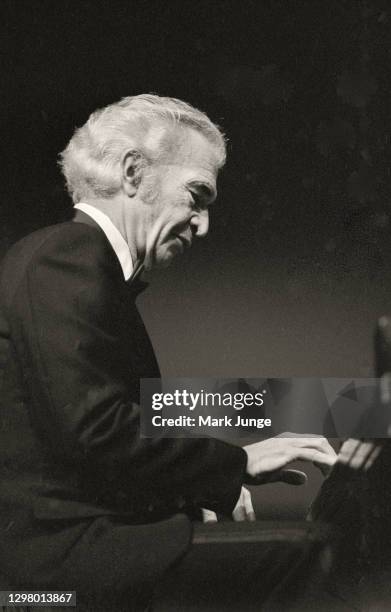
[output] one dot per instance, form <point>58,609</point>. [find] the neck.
<point>123,214</point>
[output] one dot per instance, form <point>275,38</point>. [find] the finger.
<point>364,456</point>
<point>348,449</point>
<point>314,441</point>
<point>327,448</point>
<point>372,457</point>
<point>248,506</point>
<point>316,456</point>
<point>301,436</point>
<point>317,442</point>
<point>359,454</point>
<point>208,516</point>
<point>359,458</point>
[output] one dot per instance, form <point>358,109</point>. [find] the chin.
<point>165,255</point>
<point>163,260</point>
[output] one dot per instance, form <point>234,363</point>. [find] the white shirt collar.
<point>113,235</point>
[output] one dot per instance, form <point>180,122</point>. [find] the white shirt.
<point>113,235</point>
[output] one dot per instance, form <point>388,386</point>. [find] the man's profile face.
<point>183,186</point>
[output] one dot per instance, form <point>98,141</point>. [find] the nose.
<point>199,223</point>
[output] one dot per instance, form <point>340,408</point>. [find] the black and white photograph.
<point>195,306</point>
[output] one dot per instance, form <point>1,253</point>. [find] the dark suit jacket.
<point>72,351</point>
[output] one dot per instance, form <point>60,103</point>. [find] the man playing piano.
<point>85,503</point>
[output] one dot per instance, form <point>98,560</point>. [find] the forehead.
<point>189,150</point>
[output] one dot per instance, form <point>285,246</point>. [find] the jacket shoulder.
<point>76,234</point>
<point>60,245</point>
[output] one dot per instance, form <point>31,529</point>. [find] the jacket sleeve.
<point>67,316</point>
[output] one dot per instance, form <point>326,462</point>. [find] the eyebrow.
<point>206,189</point>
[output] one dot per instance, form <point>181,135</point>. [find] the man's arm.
<point>70,325</point>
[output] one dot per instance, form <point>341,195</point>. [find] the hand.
<point>266,459</point>
<point>243,510</point>
<point>359,455</point>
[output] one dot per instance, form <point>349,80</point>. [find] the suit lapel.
<point>135,285</point>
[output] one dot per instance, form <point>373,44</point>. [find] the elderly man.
<point>85,503</point>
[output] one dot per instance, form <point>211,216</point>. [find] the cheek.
<point>175,218</point>
<point>172,211</point>
<point>182,212</point>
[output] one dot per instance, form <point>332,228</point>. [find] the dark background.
<point>296,268</point>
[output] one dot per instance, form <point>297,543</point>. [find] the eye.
<point>198,202</point>
<point>195,199</point>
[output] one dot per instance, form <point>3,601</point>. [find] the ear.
<point>132,165</point>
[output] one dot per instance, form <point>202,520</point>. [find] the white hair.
<point>91,160</point>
